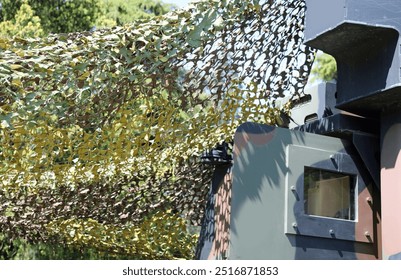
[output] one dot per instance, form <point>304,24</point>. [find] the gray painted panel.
<point>381,12</point>
<point>257,209</point>
<point>310,225</point>
<point>261,201</point>
<point>322,15</point>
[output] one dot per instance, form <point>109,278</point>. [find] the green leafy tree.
<point>325,67</point>
<point>120,12</point>
<point>73,15</point>
<point>23,24</point>
<point>57,16</point>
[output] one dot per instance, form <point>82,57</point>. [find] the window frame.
<point>300,223</point>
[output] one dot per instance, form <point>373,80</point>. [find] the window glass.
<point>329,194</point>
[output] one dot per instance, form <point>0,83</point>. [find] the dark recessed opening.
<point>311,118</point>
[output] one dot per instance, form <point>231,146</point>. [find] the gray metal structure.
<point>318,102</point>
<point>284,183</point>
<point>363,36</point>
<point>268,220</point>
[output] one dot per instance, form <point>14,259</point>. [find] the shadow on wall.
<point>268,162</point>
<point>214,237</point>
<point>252,145</point>
<point>220,220</point>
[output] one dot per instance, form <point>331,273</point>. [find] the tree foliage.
<point>100,132</point>
<point>57,16</point>
<point>325,67</point>
<point>120,12</point>
<point>23,24</point>
<point>36,18</point>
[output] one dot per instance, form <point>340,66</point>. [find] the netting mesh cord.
<point>108,125</point>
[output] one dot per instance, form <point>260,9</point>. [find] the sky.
<point>179,3</point>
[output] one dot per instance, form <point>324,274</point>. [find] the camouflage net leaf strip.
<point>108,125</point>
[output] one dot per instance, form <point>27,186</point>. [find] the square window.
<point>323,192</point>
<point>329,194</point>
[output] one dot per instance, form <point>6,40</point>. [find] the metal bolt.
<point>369,200</point>
<point>331,156</point>
<point>294,225</point>
<point>293,188</point>
<point>367,234</point>
<point>331,232</point>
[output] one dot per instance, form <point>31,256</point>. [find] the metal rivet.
<point>367,233</point>
<point>294,225</point>
<point>293,188</point>
<point>331,156</point>
<point>369,200</point>
<point>331,232</point>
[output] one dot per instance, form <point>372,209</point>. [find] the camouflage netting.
<point>101,132</point>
